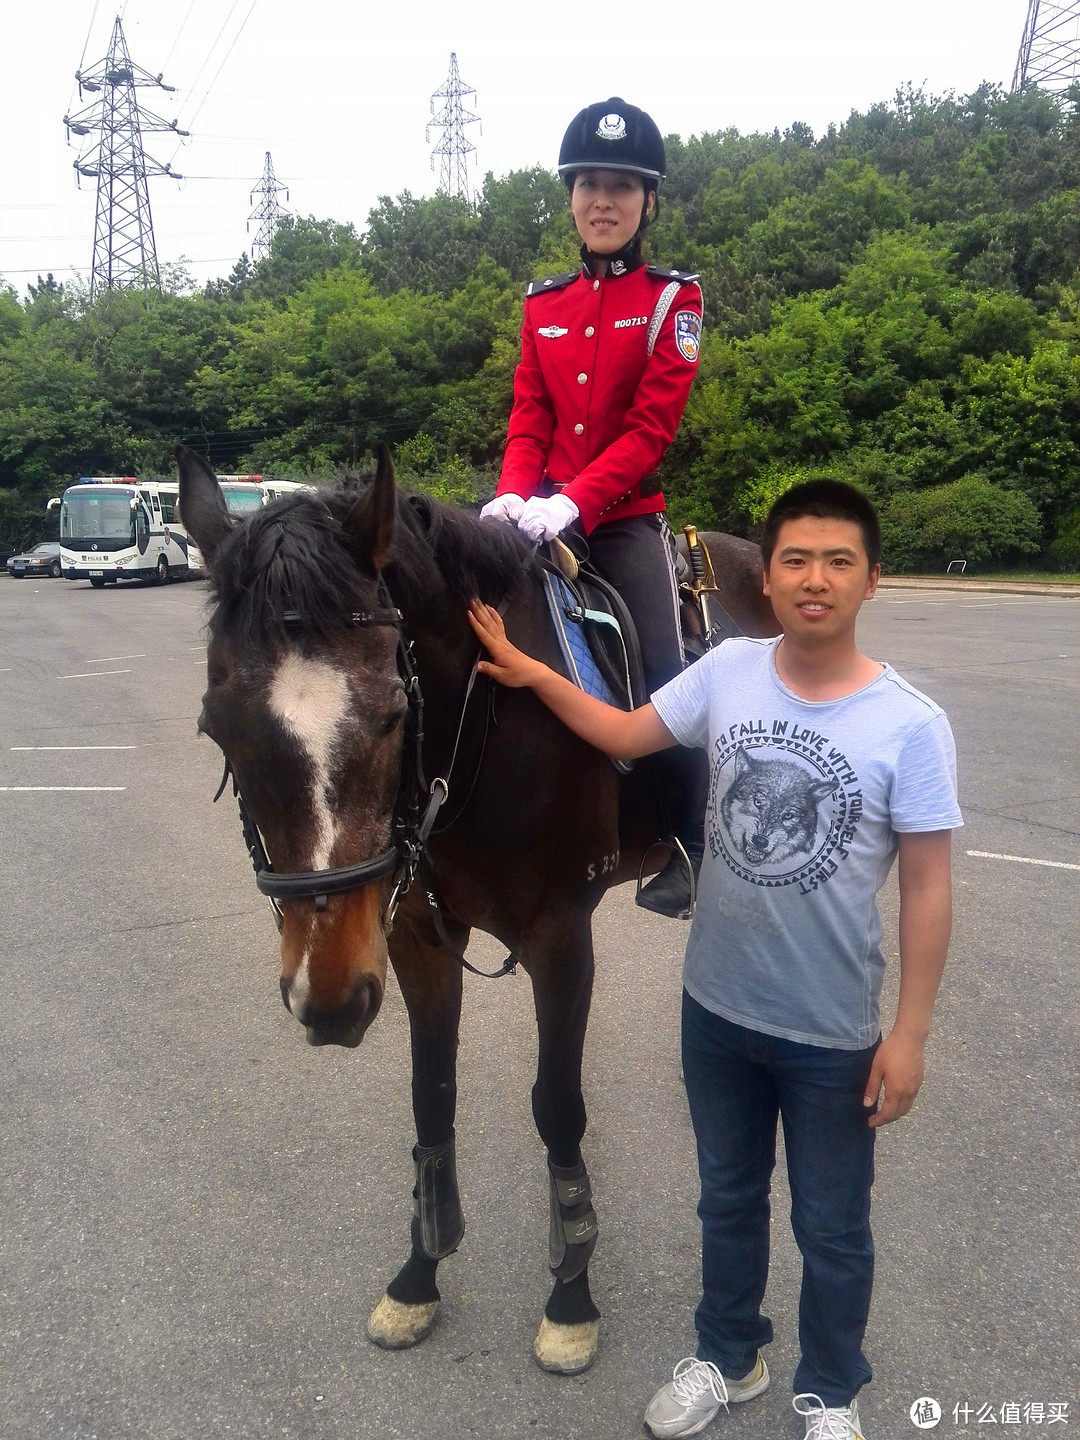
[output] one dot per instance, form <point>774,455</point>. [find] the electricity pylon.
<point>124,250</point>
<point>267,212</point>
<point>453,149</point>
<point>1050,50</point>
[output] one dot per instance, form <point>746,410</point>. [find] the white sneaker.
<point>838,1422</point>
<point>695,1395</point>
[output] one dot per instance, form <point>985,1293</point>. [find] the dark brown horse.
<point>331,615</point>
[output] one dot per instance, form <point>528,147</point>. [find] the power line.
<point>213,47</point>
<point>86,42</point>
<point>221,67</point>
<point>78,270</point>
<point>228,52</point>
<point>180,32</point>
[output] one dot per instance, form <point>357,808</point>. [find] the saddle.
<point>596,633</point>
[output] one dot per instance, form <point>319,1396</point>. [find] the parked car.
<point>43,559</point>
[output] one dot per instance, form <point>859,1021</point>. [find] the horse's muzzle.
<point>347,1024</point>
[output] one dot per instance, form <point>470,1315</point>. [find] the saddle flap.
<point>593,640</point>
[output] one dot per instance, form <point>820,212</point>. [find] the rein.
<point>411,828</point>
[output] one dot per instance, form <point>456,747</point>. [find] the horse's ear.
<point>202,505</point>
<point>371,519</point>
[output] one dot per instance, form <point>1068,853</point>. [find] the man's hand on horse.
<point>507,664</point>
<point>543,519</point>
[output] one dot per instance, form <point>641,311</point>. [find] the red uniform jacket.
<point>593,410</point>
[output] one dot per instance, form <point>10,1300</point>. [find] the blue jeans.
<point>738,1081</point>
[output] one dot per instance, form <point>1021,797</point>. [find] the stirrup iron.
<point>677,848</point>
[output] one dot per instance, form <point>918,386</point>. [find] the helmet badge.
<point>612,127</point>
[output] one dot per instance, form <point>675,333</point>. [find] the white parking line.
<point>104,660</point>
<point>23,789</point>
<point>85,674</point>
<point>74,747</point>
<point>1023,860</point>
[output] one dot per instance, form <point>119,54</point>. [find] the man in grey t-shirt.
<point>825,766</point>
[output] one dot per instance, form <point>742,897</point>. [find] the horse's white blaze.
<point>300,985</point>
<point>311,699</point>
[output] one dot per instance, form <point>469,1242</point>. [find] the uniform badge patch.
<point>552,332</point>
<point>612,127</point>
<point>688,334</point>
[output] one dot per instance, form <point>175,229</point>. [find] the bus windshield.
<point>96,512</point>
<point>241,499</point>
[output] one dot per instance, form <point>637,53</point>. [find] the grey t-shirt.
<point>806,799</point>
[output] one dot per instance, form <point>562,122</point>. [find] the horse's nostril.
<point>364,1002</point>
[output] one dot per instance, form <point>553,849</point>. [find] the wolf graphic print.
<point>785,804</point>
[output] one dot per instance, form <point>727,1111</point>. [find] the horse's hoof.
<point>395,1326</point>
<point>566,1349</point>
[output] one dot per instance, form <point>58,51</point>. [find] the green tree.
<point>430,245</point>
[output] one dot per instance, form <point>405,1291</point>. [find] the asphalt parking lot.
<point>199,1211</point>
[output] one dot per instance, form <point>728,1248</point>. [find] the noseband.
<point>414,816</point>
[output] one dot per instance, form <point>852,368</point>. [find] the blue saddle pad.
<point>568,619</point>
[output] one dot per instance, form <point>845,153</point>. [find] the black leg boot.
<point>682,779</point>
<point>669,892</point>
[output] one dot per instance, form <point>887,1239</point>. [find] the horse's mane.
<point>296,557</point>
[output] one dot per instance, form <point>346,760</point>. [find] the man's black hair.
<point>824,500</point>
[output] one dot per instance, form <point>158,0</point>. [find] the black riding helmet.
<point>612,135</point>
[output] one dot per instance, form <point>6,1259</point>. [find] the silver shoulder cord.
<point>660,313</point>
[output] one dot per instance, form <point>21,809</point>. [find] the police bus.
<point>117,527</point>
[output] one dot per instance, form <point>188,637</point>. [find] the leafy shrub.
<point>971,519</point>
<point>1065,548</point>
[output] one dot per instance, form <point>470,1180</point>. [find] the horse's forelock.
<point>291,557</point>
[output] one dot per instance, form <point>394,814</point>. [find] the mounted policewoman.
<point>608,355</point>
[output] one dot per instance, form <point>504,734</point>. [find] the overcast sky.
<point>340,94</point>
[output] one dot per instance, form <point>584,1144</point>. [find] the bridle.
<point>415,812</point>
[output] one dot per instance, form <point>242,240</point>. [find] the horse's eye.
<point>391,722</point>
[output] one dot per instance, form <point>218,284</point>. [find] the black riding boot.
<point>668,893</point>
<point>682,778</point>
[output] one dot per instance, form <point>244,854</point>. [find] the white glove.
<point>504,507</point>
<point>544,519</point>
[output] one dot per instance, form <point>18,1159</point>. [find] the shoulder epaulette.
<point>552,282</point>
<point>686,277</point>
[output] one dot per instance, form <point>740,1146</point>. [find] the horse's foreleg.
<point>431,985</point>
<point>567,1339</point>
